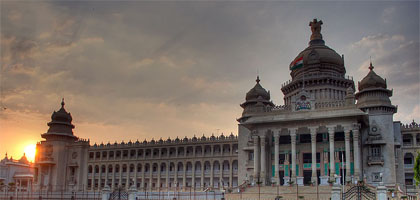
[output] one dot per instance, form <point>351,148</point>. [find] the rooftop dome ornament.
<point>316,37</point>
<point>62,103</point>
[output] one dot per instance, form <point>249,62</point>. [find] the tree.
<point>417,169</point>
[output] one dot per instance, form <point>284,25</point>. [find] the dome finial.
<point>371,66</point>
<point>62,103</point>
<point>258,79</point>
<point>316,29</point>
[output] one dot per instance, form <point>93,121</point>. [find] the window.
<point>319,137</point>
<point>408,159</point>
<point>282,158</point>
<point>91,154</point>
<point>251,156</point>
<point>307,158</point>
<point>318,157</point>
<point>285,139</point>
<point>305,138</point>
<point>375,151</point>
<point>339,136</point>
<point>406,139</point>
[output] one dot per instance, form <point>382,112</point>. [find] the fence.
<point>50,195</point>
<point>193,195</point>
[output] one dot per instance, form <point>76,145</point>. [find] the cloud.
<point>396,59</point>
<point>388,14</point>
<point>151,69</point>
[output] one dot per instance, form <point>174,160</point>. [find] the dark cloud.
<point>166,68</point>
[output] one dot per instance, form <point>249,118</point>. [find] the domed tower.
<point>59,157</point>
<point>61,127</point>
<point>378,137</point>
<point>319,70</point>
<point>256,100</point>
<point>373,95</point>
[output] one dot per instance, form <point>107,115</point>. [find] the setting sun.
<point>30,151</point>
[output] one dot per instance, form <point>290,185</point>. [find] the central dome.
<point>317,58</point>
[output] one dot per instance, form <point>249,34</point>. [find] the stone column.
<point>211,174</point>
<point>120,172</point>
<point>100,177</point>
<point>332,151</point>
<point>293,140</point>
<point>256,159</point>
<point>356,151</point>
<point>276,157</point>
<point>414,139</point>
<point>92,181</point>
<point>202,174</point>
<point>135,174</point>
<point>151,176</point>
<point>313,146</point>
<point>263,160</point>
<point>127,180</point>
<point>167,175</point>
<point>220,173</point>
<point>143,175</point>
<point>184,175</point>
<point>113,177</point>
<point>230,173</point>
<point>347,145</point>
<point>193,174</point>
<point>158,176</point>
<point>176,174</point>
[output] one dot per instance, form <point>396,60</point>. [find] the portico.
<point>302,150</point>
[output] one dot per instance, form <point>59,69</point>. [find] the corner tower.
<point>379,160</point>
<point>60,157</point>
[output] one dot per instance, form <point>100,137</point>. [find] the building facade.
<point>325,132</point>
<point>65,162</point>
<point>16,175</point>
<point>410,134</point>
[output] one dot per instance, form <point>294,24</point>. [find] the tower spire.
<point>371,66</point>
<point>62,103</point>
<point>258,79</point>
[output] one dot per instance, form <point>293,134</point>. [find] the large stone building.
<point>16,174</point>
<point>325,132</point>
<point>65,162</point>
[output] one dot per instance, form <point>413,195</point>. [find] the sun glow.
<point>30,151</point>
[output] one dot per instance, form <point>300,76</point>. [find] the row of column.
<point>167,177</point>
<point>230,151</point>
<point>260,173</point>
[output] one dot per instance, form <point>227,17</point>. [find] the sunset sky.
<point>141,70</point>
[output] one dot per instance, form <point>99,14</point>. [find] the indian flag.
<point>298,63</point>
